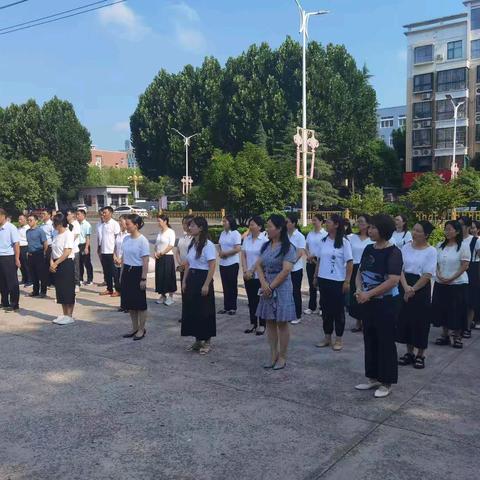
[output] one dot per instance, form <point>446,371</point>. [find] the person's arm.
<point>16,250</point>
<point>87,244</point>
<point>422,281</point>
<point>185,274</point>
<point>315,275</point>
<point>243,261</point>
<point>463,268</point>
<point>386,286</point>
<point>348,276</point>
<point>358,281</point>
<point>261,277</point>
<point>143,283</point>
<point>282,276</point>
<point>45,247</point>
<point>230,253</point>
<point>55,263</point>
<point>208,280</point>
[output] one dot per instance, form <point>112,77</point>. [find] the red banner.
<point>409,177</point>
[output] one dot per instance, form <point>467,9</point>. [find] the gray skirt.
<point>280,307</point>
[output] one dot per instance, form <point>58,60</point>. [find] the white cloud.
<point>126,22</point>
<point>186,12</point>
<point>188,34</point>
<point>122,127</point>
<point>402,55</point>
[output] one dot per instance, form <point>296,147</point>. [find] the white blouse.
<point>228,241</point>
<point>333,261</point>
<point>476,249</point>
<point>252,248</point>
<point>208,254</point>
<point>134,250</point>
<point>165,239</point>
<point>449,261</point>
<point>358,246</point>
<point>298,241</point>
<point>182,246</point>
<point>419,261</point>
<point>61,242</point>
<point>119,244</point>
<point>313,241</point>
<point>400,239</point>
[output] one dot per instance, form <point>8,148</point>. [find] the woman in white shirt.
<point>251,249</point>
<point>199,319</point>
<point>22,234</point>
<point>449,303</point>
<point>182,249</point>
<point>419,266</point>
<point>358,241</point>
<point>135,257</point>
<point>62,265</point>
<point>298,241</point>
<point>118,255</point>
<point>333,274</point>
<point>313,245</point>
<point>229,248</point>
<point>165,275</point>
<point>401,236</point>
<point>475,231</point>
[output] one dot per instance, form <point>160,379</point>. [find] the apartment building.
<point>388,120</point>
<point>443,70</point>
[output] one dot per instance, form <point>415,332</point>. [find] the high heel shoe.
<point>260,332</point>
<point>129,335</point>
<point>140,338</point>
<point>250,330</point>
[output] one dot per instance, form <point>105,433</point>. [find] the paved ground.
<point>80,402</point>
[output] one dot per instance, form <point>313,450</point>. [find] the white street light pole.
<point>304,19</point>
<point>186,141</point>
<point>456,107</point>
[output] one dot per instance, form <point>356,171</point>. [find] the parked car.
<point>127,210</point>
<point>81,206</point>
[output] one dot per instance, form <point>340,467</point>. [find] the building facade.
<point>131,159</point>
<point>108,158</point>
<point>98,197</point>
<point>388,120</point>
<point>443,70</point>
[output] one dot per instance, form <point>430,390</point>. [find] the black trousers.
<point>312,302</point>
<point>229,276</point>
<point>297,278</point>
<point>252,286</point>
<point>51,276</point>
<point>38,272</point>
<point>332,301</point>
<point>108,267</point>
<point>379,318</point>
<point>76,269</point>
<point>85,264</point>
<point>9,288</point>
<point>24,265</point>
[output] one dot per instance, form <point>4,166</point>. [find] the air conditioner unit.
<point>426,124</point>
<point>427,96</point>
<point>417,125</point>
<point>439,58</point>
<point>426,152</point>
<point>477,119</point>
<point>417,153</point>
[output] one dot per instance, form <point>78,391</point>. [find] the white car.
<point>127,210</point>
<point>82,206</point>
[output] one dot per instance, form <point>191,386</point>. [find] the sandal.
<point>442,340</point>
<point>467,334</point>
<point>419,363</point>
<point>457,343</point>
<point>204,349</point>
<point>407,359</point>
<point>194,347</point>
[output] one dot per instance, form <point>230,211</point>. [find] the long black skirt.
<point>354,309</point>
<point>413,324</point>
<point>132,296</point>
<point>65,282</point>
<point>165,275</point>
<point>198,317</point>
<point>449,306</point>
<point>474,285</point>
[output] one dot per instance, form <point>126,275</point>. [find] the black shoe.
<point>407,359</point>
<point>222,312</point>
<point>129,335</point>
<point>33,295</point>
<point>42,295</point>
<point>140,338</point>
<point>419,363</point>
<point>260,332</point>
<point>250,330</point>
<point>467,334</point>
<point>12,309</point>
<point>232,312</point>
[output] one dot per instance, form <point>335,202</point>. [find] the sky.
<point>103,60</point>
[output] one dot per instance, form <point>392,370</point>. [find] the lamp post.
<point>188,181</point>
<point>136,179</point>
<point>456,107</point>
<point>304,19</point>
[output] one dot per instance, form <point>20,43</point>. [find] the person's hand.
<point>248,275</point>
<point>180,268</point>
<point>143,284</point>
<point>53,267</point>
<point>86,251</point>
<point>17,263</point>
<point>222,255</point>
<point>346,286</point>
<point>441,279</point>
<point>205,289</point>
<point>362,297</point>
<point>409,292</point>
<point>267,290</point>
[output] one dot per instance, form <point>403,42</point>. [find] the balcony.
<point>445,149</point>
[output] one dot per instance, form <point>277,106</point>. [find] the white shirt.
<point>358,246</point>
<point>333,261</point>
<point>47,227</point>
<point>22,235</point>
<point>228,241</point>
<point>314,239</point>
<point>165,239</point>
<point>134,249</point>
<point>119,244</point>
<point>298,241</point>
<point>106,235</point>
<point>476,249</point>
<point>182,246</point>
<point>208,254</point>
<point>76,230</point>
<point>400,239</point>
<point>419,261</point>
<point>449,262</point>
<point>252,248</point>
<point>61,242</point>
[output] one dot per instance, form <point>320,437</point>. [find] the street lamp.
<point>456,106</point>
<point>187,181</point>
<point>304,19</point>
<point>136,179</point>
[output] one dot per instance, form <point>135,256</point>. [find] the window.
<point>445,137</point>
<point>445,109</point>
<point>423,54</point>
<point>422,164</point>
<point>477,104</point>
<point>477,133</point>
<point>455,79</point>
<point>98,161</point>
<point>402,121</point>
<point>454,50</point>
<point>87,200</point>
<point>475,49</point>
<point>423,83</point>
<point>478,73</point>
<point>422,138</point>
<point>422,110</point>
<point>386,122</point>
<point>475,18</point>
<point>390,141</point>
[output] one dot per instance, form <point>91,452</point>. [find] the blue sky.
<point>102,61</point>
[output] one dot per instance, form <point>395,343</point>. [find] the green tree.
<point>399,137</point>
<point>151,189</point>
<point>468,181</point>
<point>371,201</point>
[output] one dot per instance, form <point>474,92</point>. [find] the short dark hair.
<point>384,224</point>
<point>109,208</point>
<point>467,221</point>
<point>136,220</point>
<point>476,223</point>
<point>319,217</point>
<point>231,221</point>
<point>188,218</point>
<point>428,228</point>
<point>258,220</point>
<point>293,217</point>
<point>3,211</point>
<point>33,216</point>
<point>60,219</point>
<point>81,210</point>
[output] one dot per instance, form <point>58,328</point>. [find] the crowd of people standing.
<point>389,278</point>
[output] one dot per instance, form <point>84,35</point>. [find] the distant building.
<point>97,197</point>
<point>131,159</point>
<point>388,120</point>
<point>108,158</point>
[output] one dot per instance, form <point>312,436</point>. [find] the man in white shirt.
<point>47,227</point>
<point>85,247</point>
<point>107,232</point>
<point>22,235</point>
<point>75,229</point>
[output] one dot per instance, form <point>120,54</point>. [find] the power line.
<point>2,32</point>
<point>13,4</point>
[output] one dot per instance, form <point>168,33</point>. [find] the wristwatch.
<point>143,279</point>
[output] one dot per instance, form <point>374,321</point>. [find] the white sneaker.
<point>308,311</point>
<point>65,321</point>
<point>77,289</point>
<point>169,301</point>
<point>296,322</point>
<point>368,386</point>
<point>58,319</point>
<point>382,392</point>
<point>160,301</point>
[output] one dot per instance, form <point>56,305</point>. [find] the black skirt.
<point>132,296</point>
<point>474,285</point>
<point>449,306</point>
<point>198,317</point>
<point>353,307</point>
<point>413,324</point>
<point>165,275</point>
<point>65,282</point>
